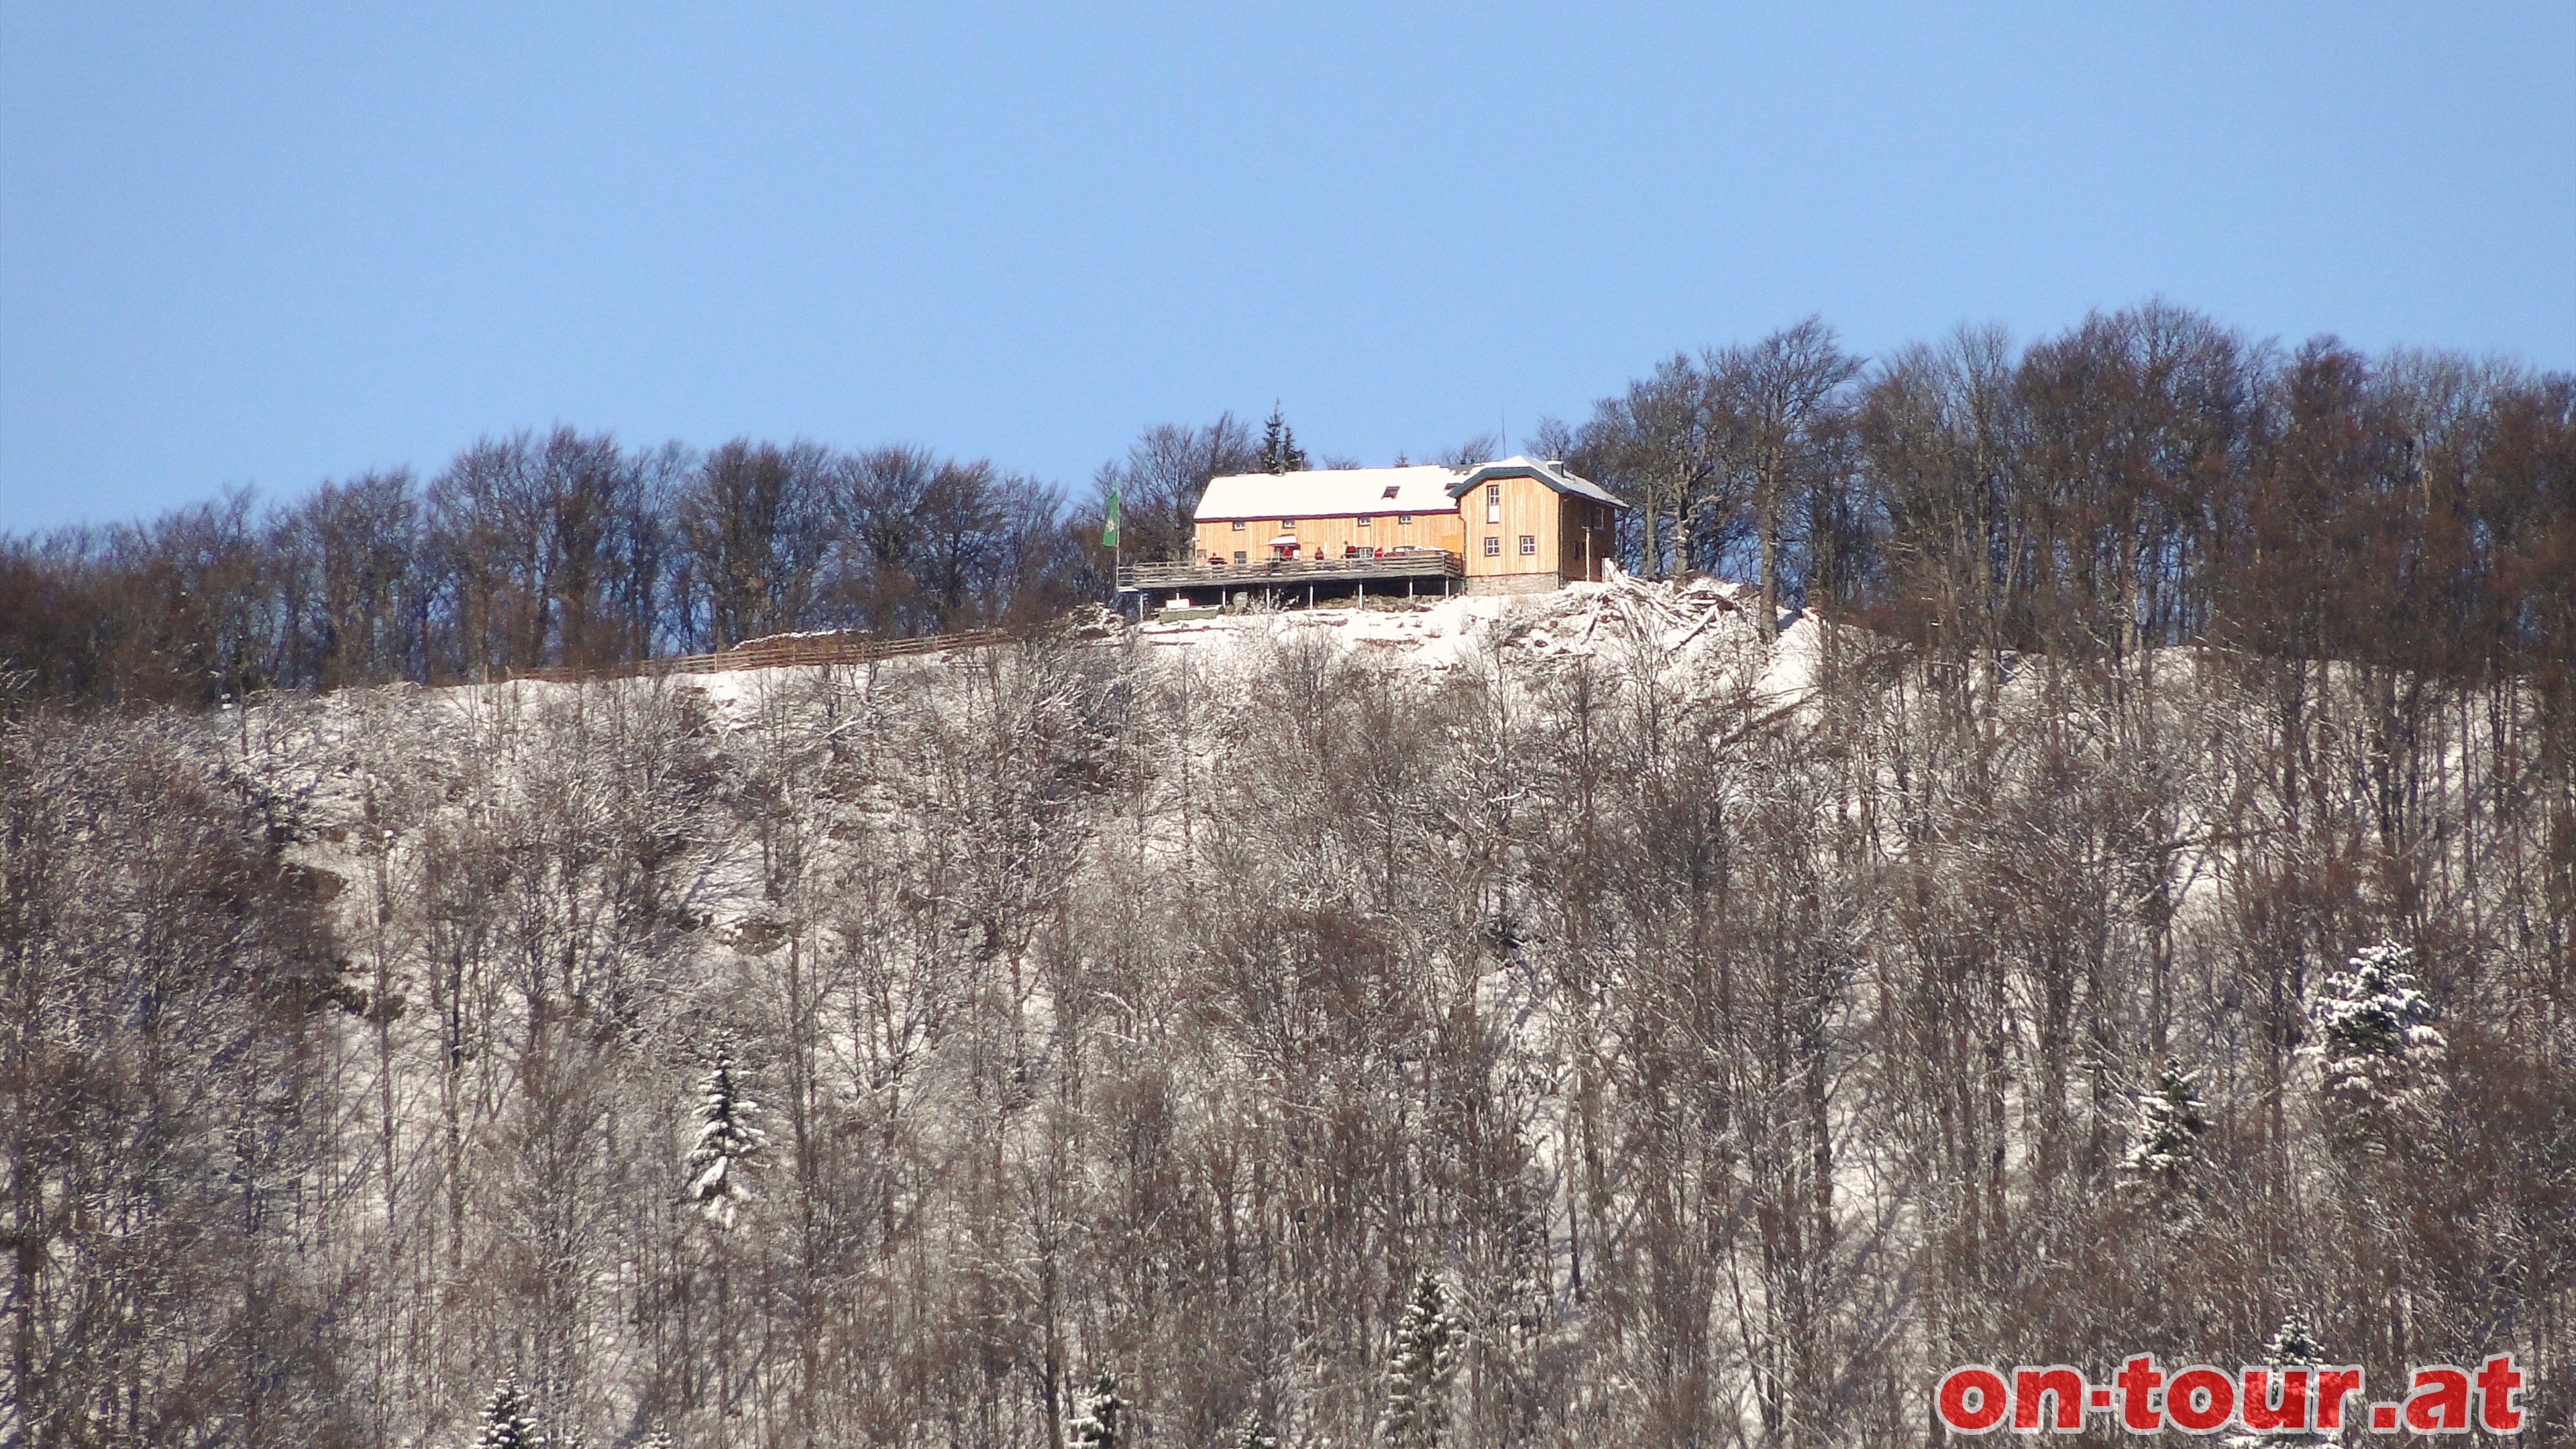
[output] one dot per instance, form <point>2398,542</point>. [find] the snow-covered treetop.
<point>506,1421</point>
<point>2166,1140</point>
<point>1097,1424</point>
<point>728,1136</point>
<point>2374,1032</point>
<point>1428,1341</point>
<point>2292,1345</point>
<point>2372,1007</point>
<point>1250,1435</point>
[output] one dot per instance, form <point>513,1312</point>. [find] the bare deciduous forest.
<point>2125,908</point>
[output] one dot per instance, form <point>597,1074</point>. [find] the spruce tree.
<point>2166,1141</point>
<point>1096,1425</point>
<point>2376,1042</point>
<point>2291,1346</point>
<point>1418,1373</point>
<point>1279,450</point>
<point>1250,1435</point>
<point>727,1137</point>
<point>506,1421</point>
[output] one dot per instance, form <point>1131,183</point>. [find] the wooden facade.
<point>1346,535</point>
<point>1514,526</point>
<point>1517,526</point>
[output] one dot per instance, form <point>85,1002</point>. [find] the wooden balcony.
<point>1426,565</point>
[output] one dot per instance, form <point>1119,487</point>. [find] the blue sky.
<point>256,244</point>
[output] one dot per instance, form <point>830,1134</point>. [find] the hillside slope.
<point>1741,1029</point>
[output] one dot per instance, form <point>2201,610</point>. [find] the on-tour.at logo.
<point>2258,1398</point>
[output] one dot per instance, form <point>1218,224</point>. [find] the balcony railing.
<point>1426,563</point>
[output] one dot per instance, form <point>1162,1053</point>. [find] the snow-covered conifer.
<point>2293,1346</point>
<point>1250,1435</point>
<point>506,1421</point>
<point>2374,1036</point>
<point>2290,1346</point>
<point>1418,1373</point>
<point>727,1137</point>
<point>1096,1424</point>
<point>2166,1141</point>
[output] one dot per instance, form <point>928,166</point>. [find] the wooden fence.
<point>782,651</point>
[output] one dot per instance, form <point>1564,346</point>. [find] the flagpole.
<point>1116,538</point>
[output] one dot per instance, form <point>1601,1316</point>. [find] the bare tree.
<point>755,523</point>
<point>1784,395</point>
<point>1162,476</point>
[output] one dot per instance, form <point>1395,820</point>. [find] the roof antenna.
<point>1503,430</point>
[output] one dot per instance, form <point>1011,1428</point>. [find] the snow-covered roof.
<point>1547,471</point>
<point>1325,492</point>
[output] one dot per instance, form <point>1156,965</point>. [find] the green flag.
<point>1109,529</point>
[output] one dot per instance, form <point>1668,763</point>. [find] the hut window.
<point>1529,543</point>
<point>1238,525</point>
<point>1364,520</point>
<point>1493,546</point>
<point>1493,503</point>
<point>1404,520</point>
<point>1238,555</point>
<point>1390,490</point>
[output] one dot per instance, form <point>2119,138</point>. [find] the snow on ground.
<point>372,777</point>
<point>1688,627</point>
